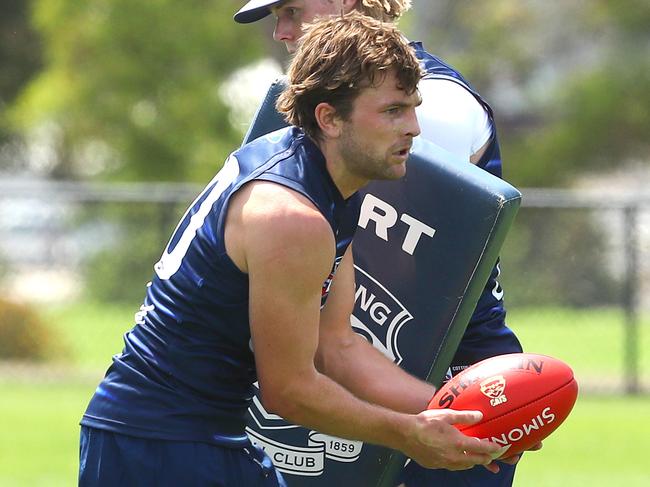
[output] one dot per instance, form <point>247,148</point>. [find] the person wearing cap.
<point>257,284</point>
<point>454,116</point>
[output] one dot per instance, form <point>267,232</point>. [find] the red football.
<point>524,397</point>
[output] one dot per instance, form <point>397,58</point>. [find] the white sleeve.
<point>452,118</point>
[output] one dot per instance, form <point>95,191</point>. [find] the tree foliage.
<point>569,80</point>
<point>23,335</point>
<point>131,87</point>
<point>20,50</point>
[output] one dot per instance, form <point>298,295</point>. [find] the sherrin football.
<point>524,397</point>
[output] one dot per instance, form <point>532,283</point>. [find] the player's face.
<point>379,132</point>
<point>292,14</point>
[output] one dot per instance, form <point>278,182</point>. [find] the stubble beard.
<point>363,163</point>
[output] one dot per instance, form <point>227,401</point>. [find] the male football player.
<point>454,116</point>
<point>239,293</point>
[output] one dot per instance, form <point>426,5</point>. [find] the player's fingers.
<point>476,446</point>
<point>478,452</point>
<point>477,459</point>
<point>470,458</point>
<point>464,417</point>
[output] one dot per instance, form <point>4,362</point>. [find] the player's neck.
<point>346,182</point>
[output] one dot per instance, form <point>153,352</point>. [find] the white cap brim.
<point>254,11</point>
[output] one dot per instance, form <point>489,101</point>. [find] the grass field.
<point>603,443</point>
<point>592,341</point>
<point>40,432</point>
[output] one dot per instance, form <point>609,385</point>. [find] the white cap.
<point>254,10</point>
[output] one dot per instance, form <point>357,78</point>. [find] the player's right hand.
<point>436,443</point>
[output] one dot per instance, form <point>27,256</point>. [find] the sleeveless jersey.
<point>489,315</point>
<point>187,369</point>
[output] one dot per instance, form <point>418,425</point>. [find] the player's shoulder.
<point>279,208</point>
<point>281,227</point>
<point>268,219</point>
<point>450,93</point>
<point>451,117</point>
<point>444,78</point>
<point>269,146</point>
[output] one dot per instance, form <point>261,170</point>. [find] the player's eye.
<point>287,13</point>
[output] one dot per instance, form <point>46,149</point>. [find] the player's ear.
<point>328,120</point>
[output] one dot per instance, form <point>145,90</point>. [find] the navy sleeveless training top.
<point>187,369</point>
<point>489,315</point>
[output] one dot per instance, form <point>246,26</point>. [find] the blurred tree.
<point>20,49</point>
<point>141,234</point>
<point>569,81</point>
<point>24,335</point>
<point>570,85</point>
<point>20,56</point>
<point>130,90</point>
<point>566,267</point>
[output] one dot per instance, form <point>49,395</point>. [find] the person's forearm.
<point>321,404</point>
<point>313,400</point>
<point>368,374</point>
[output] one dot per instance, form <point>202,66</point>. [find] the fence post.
<point>630,301</point>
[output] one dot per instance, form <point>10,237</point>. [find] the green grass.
<point>91,332</point>
<point>39,443</point>
<point>603,443</point>
<point>592,341</point>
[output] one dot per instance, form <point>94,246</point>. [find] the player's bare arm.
<point>288,252</point>
<point>353,362</point>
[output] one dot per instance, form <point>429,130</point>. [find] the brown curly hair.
<point>336,59</point>
<point>384,10</point>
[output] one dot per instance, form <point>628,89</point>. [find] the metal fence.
<point>575,270</point>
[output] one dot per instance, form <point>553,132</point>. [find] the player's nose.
<point>283,31</point>
<point>412,125</point>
